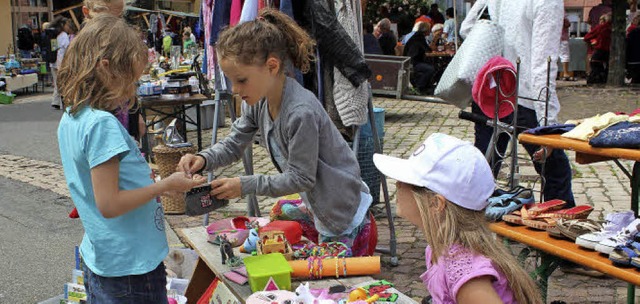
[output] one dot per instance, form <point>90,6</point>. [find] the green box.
<point>263,267</point>
<point>6,98</point>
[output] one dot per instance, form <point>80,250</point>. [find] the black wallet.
<point>198,201</point>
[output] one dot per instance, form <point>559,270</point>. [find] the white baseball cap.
<point>446,165</point>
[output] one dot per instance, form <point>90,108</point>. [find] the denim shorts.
<point>145,288</point>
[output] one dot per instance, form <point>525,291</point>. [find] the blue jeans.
<point>145,288</point>
<point>557,171</point>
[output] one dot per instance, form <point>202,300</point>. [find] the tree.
<point>617,57</point>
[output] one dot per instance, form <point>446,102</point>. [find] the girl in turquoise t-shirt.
<point>109,180</point>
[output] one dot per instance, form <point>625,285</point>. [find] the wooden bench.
<point>551,250</point>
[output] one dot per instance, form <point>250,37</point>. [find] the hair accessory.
<point>446,165</point>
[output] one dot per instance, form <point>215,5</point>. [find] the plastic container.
<point>262,268</point>
<point>365,130</point>
<point>6,98</point>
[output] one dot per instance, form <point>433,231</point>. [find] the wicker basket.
<point>167,159</point>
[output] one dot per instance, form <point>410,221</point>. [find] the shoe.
<point>575,228</point>
<point>622,255</point>
<point>623,236</point>
<point>499,194</point>
<point>614,222</point>
<point>510,202</point>
<point>57,107</point>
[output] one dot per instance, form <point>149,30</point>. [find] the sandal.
<point>540,223</point>
<point>515,217</point>
<point>546,206</point>
<point>577,212</point>
<point>624,254</point>
<point>555,232</point>
<point>577,227</point>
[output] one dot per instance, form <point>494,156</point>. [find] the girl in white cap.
<point>443,189</point>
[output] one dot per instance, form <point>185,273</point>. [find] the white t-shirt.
<point>63,44</point>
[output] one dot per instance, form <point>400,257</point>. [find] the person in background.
<point>533,37</point>
<point>435,14</point>
<point>26,41</point>
<point>600,39</point>
<point>594,19</point>
<point>424,16</point>
<point>416,48</point>
<point>633,55</point>
<point>449,29</point>
<point>443,189</point>
<point>387,39</point>
<point>187,43</point>
<point>565,55</point>
<point>436,33</point>
<point>371,45</point>
<point>62,26</point>
<point>110,183</point>
<point>187,29</point>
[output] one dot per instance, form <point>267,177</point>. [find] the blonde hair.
<point>272,33</point>
<point>82,80</point>
<point>99,6</point>
<point>468,228</point>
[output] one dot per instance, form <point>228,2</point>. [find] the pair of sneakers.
<point>618,229</point>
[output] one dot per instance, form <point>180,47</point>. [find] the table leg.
<point>184,122</point>
<point>145,139</point>
<point>198,127</point>
<point>635,187</point>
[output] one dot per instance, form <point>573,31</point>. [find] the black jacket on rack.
<point>334,44</point>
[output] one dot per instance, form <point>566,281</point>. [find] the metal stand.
<point>222,95</point>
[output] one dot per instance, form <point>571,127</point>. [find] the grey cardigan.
<point>320,162</point>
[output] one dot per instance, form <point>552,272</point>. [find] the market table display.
<point>19,81</point>
<point>209,267</point>
<point>552,251</point>
<point>165,107</point>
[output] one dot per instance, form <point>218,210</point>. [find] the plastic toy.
<point>274,241</point>
<point>250,244</point>
<point>360,294</point>
<point>304,295</point>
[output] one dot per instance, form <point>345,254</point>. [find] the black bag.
<point>198,201</point>
<point>51,45</point>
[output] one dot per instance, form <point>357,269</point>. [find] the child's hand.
<point>226,188</point>
<point>181,182</point>
<point>190,163</point>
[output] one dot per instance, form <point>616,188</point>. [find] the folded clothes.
<point>590,126</point>
<point>553,129</point>
<point>621,135</point>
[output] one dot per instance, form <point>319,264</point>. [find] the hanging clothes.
<point>209,60</point>
<point>351,101</point>
<point>249,10</point>
<point>220,19</point>
<point>333,41</point>
<point>236,11</point>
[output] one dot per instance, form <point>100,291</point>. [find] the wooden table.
<point>179,106</point>
<point>209,266</point>
<point>552,251</point>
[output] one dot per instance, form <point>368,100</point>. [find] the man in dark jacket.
<point>387,38</point>
<point>26,41</point>
<point>435,14</point>
<point>416,48</point>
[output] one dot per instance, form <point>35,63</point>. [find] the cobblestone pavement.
<point>407,124</point>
